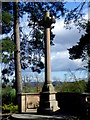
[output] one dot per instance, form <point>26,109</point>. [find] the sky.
<point>65,39</point>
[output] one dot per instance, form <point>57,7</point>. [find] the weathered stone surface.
<point>23,104</point>
<point>48,88</point>
<point>48,103</point>
<point>29,101</point>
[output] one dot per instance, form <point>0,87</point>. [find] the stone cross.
<point>48,103</point>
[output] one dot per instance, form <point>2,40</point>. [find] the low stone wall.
<point>29,101</point>
<point>71,103</point>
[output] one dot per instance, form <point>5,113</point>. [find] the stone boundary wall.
<point>74,103</point>
<point>29,101</point>
<point>69,103</point>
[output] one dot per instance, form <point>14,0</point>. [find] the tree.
<point>76,86</point>
<point>75,15</point>
<point>82,50</point>
<point>17,51</point>
<point>7,17</point>
<point>8,48</point>
<point>32,48</point>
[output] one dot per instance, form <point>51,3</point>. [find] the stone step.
<point>39,117</point>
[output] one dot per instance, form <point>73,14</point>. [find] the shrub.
<point>9,108</point>
<point>77,86</point>
<point>13,95</point>
<point>8,95</point>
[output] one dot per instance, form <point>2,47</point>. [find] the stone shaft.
<point>47,57</point>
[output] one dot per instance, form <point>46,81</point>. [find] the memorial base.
<point>48,103</point>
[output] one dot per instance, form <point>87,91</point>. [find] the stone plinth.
<point>48,103</point>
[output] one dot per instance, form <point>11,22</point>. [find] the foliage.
<point>8,48</point>
<point>77,86</point>
<point>8,95</point>
<point>32,45</point>
<point>10,108</point>
<point>6,17</point>
<point>82,49</point>
<point>32,49</point>
<point>32,87</point>
<point>75,15</point>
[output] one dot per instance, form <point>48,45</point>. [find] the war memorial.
<point>49,104</point>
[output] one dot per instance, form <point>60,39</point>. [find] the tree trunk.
<point>17,51</point>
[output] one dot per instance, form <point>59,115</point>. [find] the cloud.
<point>65,36</point>
<point>64,39</point>
<point>61,62</point>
